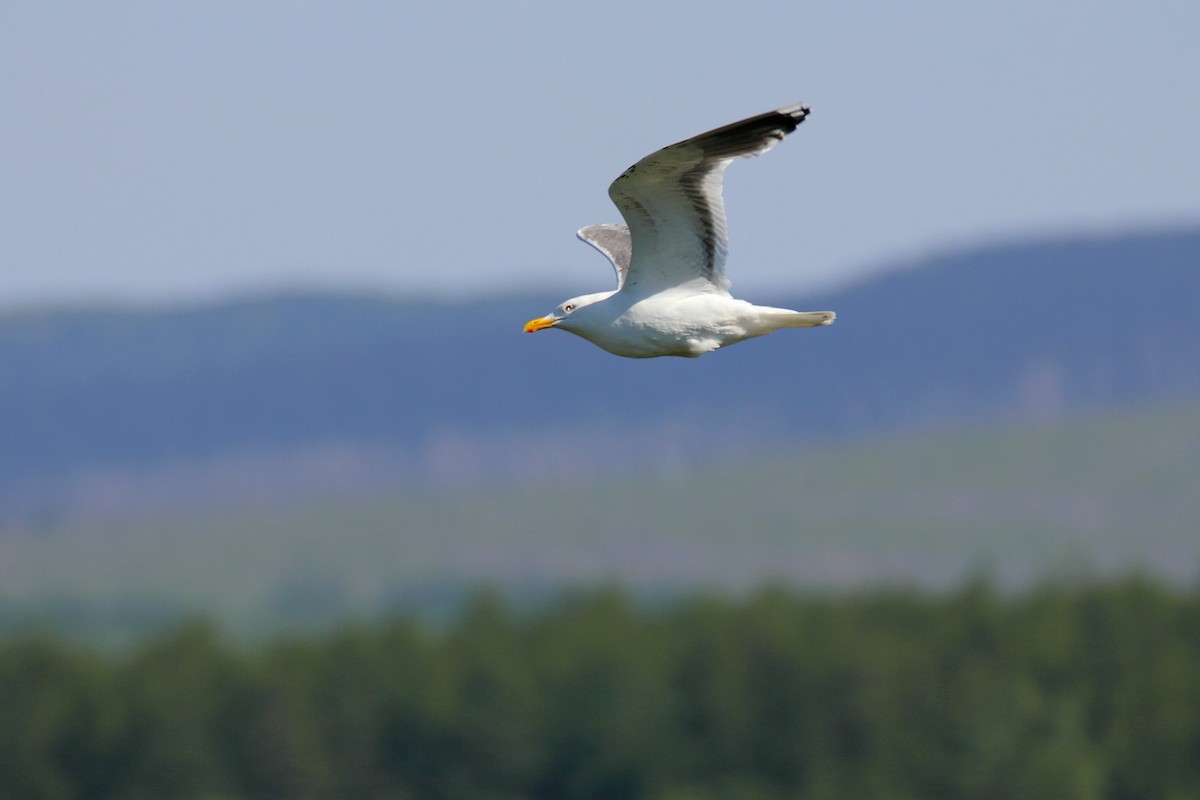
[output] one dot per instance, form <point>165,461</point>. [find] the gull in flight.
<point>672,298</point>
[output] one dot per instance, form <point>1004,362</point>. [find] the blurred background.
<point>289,507</point>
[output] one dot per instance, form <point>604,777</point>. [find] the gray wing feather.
<point>672,200</point>
<point>613,241</point>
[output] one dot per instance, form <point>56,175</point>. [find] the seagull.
<point>672,298</point>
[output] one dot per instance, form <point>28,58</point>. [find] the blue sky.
<point>162,152</point>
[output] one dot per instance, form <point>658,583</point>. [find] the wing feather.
<point>672,201</point>
<point>613,241</point>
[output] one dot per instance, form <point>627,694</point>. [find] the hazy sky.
<point>169,151</point>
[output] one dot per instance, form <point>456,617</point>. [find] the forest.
<point>1068,690</point>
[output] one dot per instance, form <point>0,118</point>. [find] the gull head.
<point>571,315</point>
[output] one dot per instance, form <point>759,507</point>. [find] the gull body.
<point>672,298</point>
<point>673,322</point>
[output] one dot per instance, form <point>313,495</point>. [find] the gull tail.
<point>806,319</point>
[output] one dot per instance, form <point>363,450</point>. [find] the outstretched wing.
<point>672,201</point>
<point>613,242</point>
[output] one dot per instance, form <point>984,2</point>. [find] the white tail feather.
<point>807,319</point>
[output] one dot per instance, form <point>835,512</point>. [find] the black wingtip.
<point>797,113</point>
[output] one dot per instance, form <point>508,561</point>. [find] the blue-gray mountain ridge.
<point>290,394</point>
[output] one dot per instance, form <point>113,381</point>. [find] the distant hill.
<point>278,397</point>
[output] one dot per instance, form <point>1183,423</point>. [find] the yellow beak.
<point>539,323</point>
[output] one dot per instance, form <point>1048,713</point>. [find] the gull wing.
<point>613,241</point>
<point>672,203</point>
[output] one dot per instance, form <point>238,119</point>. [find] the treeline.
<point>1064,692</point>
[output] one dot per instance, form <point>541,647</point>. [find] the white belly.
<point>687,326</point>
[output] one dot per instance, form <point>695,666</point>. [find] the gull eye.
<point>569,307</point>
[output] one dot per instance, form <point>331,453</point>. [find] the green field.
<point>1086,497</point>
